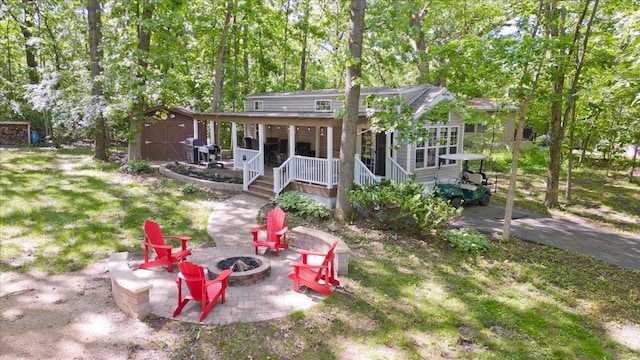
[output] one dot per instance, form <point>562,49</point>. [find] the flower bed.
<point>203,174</point>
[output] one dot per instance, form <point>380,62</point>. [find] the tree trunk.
<point>217,82</point>
<point>350,121</point>
<point>419,43</point>
<point>32,64</point>
<point>567,191</point>
<point>144,44</point>
<point>95,53</point>
<point>513,176</point>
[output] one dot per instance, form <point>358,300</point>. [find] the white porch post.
<point>330,156</point>
<point>234,140</point>
<point>387,155</point>
<point>195,128</point>
<point>408,157</point>
<point>261,147</point>
<point>292,140</point>
<point>212,133</point>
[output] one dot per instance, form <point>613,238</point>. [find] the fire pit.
<point>247,269</point>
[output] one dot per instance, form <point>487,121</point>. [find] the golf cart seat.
<point>474,178</point>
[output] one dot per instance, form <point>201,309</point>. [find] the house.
<point>291,141</point>
<point>164,131</point>
<point>495,124</point>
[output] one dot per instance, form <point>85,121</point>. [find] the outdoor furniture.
<point>316,277</point>
<point>276,232</point>
<point>200,289</point>
<point>165,254</point>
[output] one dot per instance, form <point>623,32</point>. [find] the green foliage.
<point>469,240</point>
<point>398,206</point>
<point>136,167</point>
<point>189,188</point>
<point>302,205</point>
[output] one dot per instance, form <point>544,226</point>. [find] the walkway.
<point>230,224</point>
<point>619,249</point>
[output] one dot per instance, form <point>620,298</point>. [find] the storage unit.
<point>164,131</point>
<point>15,132</point>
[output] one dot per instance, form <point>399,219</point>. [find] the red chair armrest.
<point>224,275</point>
<point>303,265</point>
<point>181,238</point>
<point>283,231</point>
<point>163,247</point>
<point>255,229</point>
<point>308,252</point>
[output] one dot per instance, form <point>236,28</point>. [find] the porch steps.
<point>262,188</point>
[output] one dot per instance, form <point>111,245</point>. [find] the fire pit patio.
<point>247,269</point>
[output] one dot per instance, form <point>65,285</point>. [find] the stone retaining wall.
<point>202,183</point>
<point>130,293</point>
<point>317,240</point>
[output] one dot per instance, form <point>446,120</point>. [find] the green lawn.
<point>406,297</point>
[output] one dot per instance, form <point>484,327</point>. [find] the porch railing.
<point>398,174</point>
<point>241,155</point>
<point>251,170</point>
<point>282,176</point>
<point>362,175</point>
<point>305,169</point>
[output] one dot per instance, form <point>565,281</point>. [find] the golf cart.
<point>470,186</point>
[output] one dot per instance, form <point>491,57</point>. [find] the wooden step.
<point>262,188</point>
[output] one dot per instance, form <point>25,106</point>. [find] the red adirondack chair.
<point>165,254</point>
<point>316,277</point>
<point>200,289</point>
<point>276,228</point>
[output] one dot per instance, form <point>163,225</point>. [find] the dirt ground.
<point>73,316</point>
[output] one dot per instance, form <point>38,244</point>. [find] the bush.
<point>294,201</point>
<point>136,167</point>
<point>189,188</point>
<point>402,206</point>
<point>469,240</point>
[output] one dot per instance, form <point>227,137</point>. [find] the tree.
<point>568,52</point>
<point>350,120</point>
<point>97,100</point>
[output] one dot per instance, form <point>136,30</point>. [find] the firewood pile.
<point>13,136</point>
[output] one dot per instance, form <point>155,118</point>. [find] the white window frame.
<point>437,146</point>
<point>258,105</point>
<point>324,104</point>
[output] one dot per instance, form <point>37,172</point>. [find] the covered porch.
<point>300,150</point>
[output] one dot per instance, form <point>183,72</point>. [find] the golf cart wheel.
<point>456,202</point>
<point>485,199</point>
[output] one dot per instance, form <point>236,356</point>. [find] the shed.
<point>164,131</point>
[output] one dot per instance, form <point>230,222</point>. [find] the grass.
<point>406,297</point>
<point>601,190</point>
<point>61,210</point>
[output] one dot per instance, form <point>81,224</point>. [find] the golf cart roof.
<point>463,157</point>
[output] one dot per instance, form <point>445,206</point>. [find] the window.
<point>258,105</point>
<point>475,128</point>
<point>441,141</point>
<point>323,105</point>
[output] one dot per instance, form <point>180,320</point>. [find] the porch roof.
<point>276,118</point>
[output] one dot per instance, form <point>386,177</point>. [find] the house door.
<point>373,149</point>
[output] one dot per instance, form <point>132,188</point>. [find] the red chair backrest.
<point>275,223</point>
<point>154,236</point>
<point>327,261</point>
<point>194,277</point>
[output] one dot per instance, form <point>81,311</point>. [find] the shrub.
<point>296,202</point>
<point>402,206</point>
<point>469,240</point>
<point>136,167</point>
<point>189,188</point>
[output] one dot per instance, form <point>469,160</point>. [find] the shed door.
<point>164,141</point>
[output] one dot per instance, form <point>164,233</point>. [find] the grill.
<point>192,151</point>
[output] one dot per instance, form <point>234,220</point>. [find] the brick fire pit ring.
<point>241,278</point>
